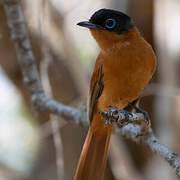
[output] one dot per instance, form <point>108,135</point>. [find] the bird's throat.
<point>111,41</point>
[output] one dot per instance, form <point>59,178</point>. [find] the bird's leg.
<point>139,110</point>
<point>145,124</point>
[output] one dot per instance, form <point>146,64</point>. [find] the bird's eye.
<point>110,23</point>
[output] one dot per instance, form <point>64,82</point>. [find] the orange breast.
<point>126,73</point>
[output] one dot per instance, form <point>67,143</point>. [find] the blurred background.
<point>40,146</point>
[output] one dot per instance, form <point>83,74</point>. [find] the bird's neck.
<point>111,42</point>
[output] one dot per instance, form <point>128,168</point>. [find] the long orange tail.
<point>94,154</point>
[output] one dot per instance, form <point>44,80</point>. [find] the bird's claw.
<point>123,117</point>
<point>113,115</point>
<point>109,116</point>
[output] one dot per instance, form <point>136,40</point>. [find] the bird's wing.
<point>96,87</point>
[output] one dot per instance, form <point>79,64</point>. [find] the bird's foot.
<point>121,117</point>
<point>146,122</point>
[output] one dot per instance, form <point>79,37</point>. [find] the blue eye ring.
<point>110,23</point>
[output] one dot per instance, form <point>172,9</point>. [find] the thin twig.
<point>26,59</point>
<point>54,121</point>
<point>58,146</point>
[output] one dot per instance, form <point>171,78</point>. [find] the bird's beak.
<point>88,24</point>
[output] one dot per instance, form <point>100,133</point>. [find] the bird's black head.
<point>110,20</point>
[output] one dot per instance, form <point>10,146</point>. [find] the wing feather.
<point>96,87</point>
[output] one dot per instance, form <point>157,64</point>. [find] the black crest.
<point>112,20</point>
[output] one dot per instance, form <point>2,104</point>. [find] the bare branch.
<point>26,59</point>
<point>54,121</point>
<point>133,131</point>
<point>172,158</point>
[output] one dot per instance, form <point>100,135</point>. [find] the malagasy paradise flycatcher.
<point>123,68</point>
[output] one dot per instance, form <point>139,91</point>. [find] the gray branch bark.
<point>41,101</point>
<point>134,131</point>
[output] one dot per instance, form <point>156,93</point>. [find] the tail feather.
<point>94,155</point>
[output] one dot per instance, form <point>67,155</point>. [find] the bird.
<point>123,68</point>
